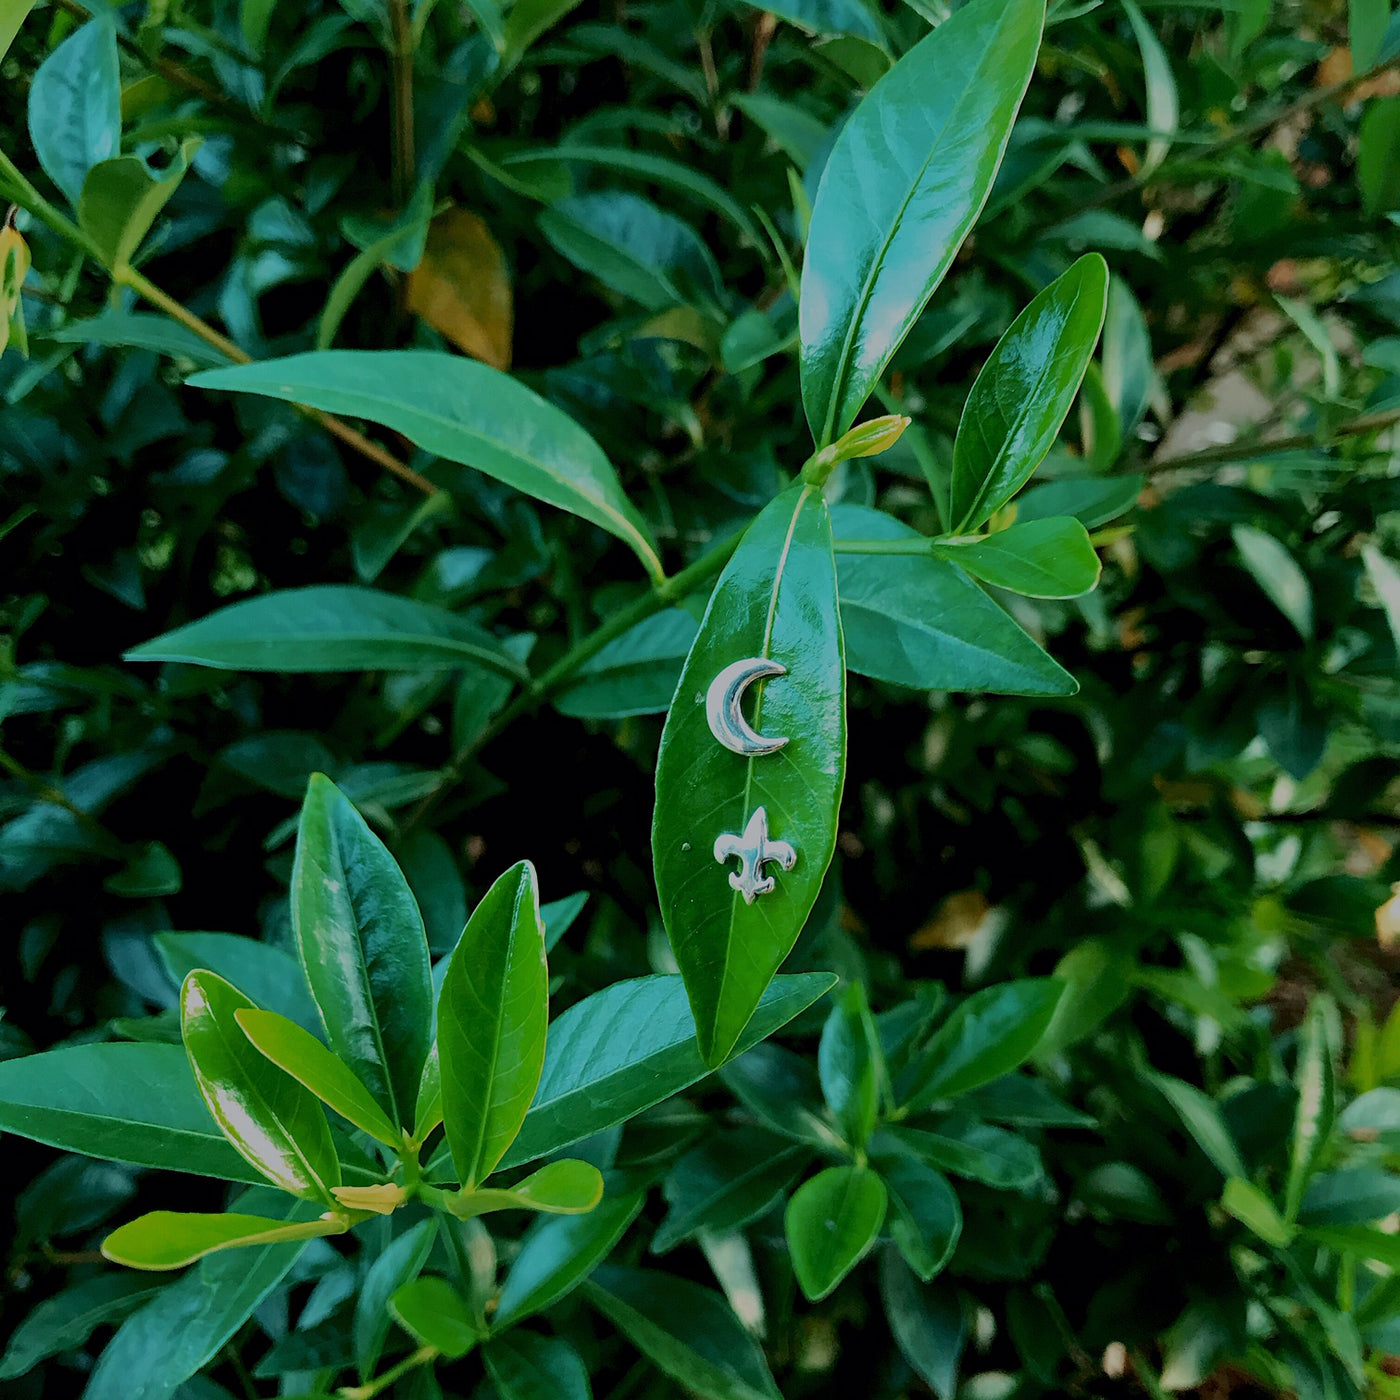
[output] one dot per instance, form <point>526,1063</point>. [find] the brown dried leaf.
<point>462,287</point>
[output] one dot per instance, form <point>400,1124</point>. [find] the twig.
<point>401,110</point>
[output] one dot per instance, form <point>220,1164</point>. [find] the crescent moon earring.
<point>722,707</point>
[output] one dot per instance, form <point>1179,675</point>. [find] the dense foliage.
<point>404,402</point>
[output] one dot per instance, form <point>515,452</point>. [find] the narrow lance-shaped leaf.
<point>332,627</point>
<point>1317,1104</point>
<point>1024,392</point>
<point>465,412</point>
<point>1041,559</point>
<point>901,189</point>
<point>492,1018</point>
<point>75,116</point>
<point>773,614</point>
<point>361,942</point>
<point>271,1119</point>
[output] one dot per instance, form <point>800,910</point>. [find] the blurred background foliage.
<point>609,198</point>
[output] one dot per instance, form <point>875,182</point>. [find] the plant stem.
<point>401,110</point>
<point>370,1389</point>
<point>1239,452</point>
<point>669,590</point>
<point>1250,131</point>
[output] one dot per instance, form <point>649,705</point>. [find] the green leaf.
<point>918,621</point>
<point>1129,375</point>
<point>266,975</point>
<point>927,1324</point>
<point>1315,1080</point>
<point>1253,1209</point>
<point>361,942</point>
<point>635,249</point>
<point>849,1063</point>
<point>927,1219</point>
<point>1366,25</point>
<point>964,1147</point>
<point>130,1103</point>
<point>830,1223</point>
<point>463,411</point>
<point>268,1117</point>
<point>75,117</point>
<point>66,1320</point>
<point>332,627</point>
<point>1040,559</point>
<point>990,1034</point>
<point>168,1239</point>
<point>187,1323</point>
<point>826,17</point>
<point>434,1314</point>
<point>782,1089</point>
<point>628,1047</point>
<point>1378,146</point>
<point>12,16</point>
<point>1163,106</point>
<point>733,1177</point>
<point>121,199</point>
<point>136,330</point>
<point>559,1252</point>
<point>492,1017</point>
<point>1024,392</point>
<point>634,674</point>
<point>1360,1240</point>
<point>688,1332</point>
<point>1276,571</point>
<point>1351,1196</point>
<point>1385,579</point>
<point>401,1262</point>
<point>526,1366</point>
<point>903,186</point>
<point>1090,500</point>
<point>566,1187</point>
<point>527,20</point>
<point>297,1051</point>
<point>775,601</point>
<point>1202,1119</point>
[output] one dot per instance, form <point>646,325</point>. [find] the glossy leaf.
<point>75,106</point>
<point>559,1252</point>
<point>301,1055</point>
<point>361,942</point>
<point>1350,1196</point>
<point>628,1047</point>
<point>1202,1118</point>
<point>122,198</point>
<point>168,1239</point>
<point>1129,375</point>
<point>526,1366</point>
<point>730,1179</point>
<point>401,1262</point>
<point>1093,501</point>
<point>187,1323</point>
<point>435,1315</point>
<point>332,627</point>
<point>827,17</point>
<point>1024,392</point>
<point>565,1187</point>
<point>140,331</point>
<point>782,1089</point>
<point>991,1033</point>
<point>1040,559</point>
<point>635,674</point>
<point>1378,143</point>
<point>918,621</point>
<point>1252,1208</point>
<point>830,1223</point>
<point>849,1063</point>
<point>634,248</point>
<point>465,412</point>
<point>776,600</point>
<point>492,1017</point>
<point>903,186</point>
<point>688,1332</point>
<point>271,1119</point>
<point>1163,106</point>
<point>130,1103</point>
<point>1278,574</point>
<point>926,1216</point>
<point>964,1147</point>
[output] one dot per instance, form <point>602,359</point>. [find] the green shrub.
<point>847,552</point>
